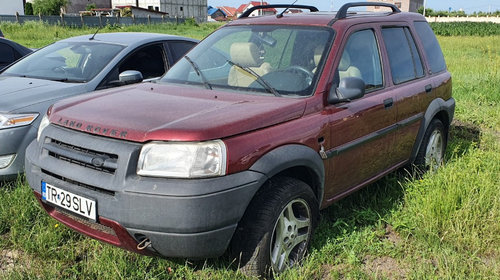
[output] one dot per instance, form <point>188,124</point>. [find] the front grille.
<point>100,161</point>
<point>90,224</point>
<point>80,184</point>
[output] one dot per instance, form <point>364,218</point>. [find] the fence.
<point>92,21</point>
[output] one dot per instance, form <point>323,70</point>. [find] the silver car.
<point>70,67</point>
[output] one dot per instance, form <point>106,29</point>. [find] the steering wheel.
<point>301,70</point>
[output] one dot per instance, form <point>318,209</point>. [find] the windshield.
<point>278,60</point>
<point>66,61</point>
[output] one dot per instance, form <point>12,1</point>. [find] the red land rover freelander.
<point>261,125</point>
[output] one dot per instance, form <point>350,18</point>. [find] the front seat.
<point>246,55</point>
<point>346,69</point>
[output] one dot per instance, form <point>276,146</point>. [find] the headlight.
<point>183,160</point>
<point>15,120</point>
<point>43,124</point>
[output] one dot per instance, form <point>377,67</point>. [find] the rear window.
<point>431,47</point>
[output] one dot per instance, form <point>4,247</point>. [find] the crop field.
<point>444,225</point>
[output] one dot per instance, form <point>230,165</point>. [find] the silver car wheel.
<point>291,234</point>
<point>434,151</point>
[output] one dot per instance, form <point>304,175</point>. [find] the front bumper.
<point>192,218</point>
<point>13,141</point>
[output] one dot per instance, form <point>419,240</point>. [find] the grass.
<point>443,226</point>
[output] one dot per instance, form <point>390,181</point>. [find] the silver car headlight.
<point>43,124</point>
<point>183,159</point>
<point>15,120</point>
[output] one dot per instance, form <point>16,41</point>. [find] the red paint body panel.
<point>149,112</point>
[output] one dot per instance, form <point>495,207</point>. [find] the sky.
<point>325,5</point>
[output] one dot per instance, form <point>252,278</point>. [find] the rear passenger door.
<point>361,132</point>
<point>408,85</point>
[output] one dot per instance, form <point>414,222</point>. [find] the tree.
<point>48,7</point>
<point>90,7</point>
<point>28,9</point>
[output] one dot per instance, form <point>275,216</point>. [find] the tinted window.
<point>431,47</point>
<point>179,49</point>
<point>403,56</point>
<point>6,53</point>
<point>361,59</point>
<point>148,60</point>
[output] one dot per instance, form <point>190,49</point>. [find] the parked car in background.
<point>70,67</point>
<point>11,51</point>
<point>1,34</point>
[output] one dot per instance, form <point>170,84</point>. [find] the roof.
<point>211,10</point>
<point>126,38</point>
<point>241,8</point>
<point>229,11</point>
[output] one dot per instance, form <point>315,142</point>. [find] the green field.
<point>443,226</point>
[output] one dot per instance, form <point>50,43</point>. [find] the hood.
<point>148,112</point>
<point>17,92</point>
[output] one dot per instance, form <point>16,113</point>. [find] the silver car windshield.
<point>66,61</point>
<point>258,59</point>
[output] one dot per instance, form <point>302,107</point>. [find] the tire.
<point>276,229</point>
<point>431,152</point>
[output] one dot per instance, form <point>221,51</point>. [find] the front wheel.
<point>277,227</point>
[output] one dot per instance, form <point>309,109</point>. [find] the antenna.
<point>280,15</point>
<point>92,38</point>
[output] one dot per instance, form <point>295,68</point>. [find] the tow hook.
<point>144,244</point>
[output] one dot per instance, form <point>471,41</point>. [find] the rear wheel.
<point>277,227</point>
<point>431,153</point>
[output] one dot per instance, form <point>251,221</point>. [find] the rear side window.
<point>431,47</point>
<point>179,49</point>
<point>6,53</point>
<point>404,58</point>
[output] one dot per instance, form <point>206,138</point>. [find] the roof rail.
<point>261,7</point>
<point>342,13</point>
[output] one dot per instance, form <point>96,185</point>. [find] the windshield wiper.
<point>259,80</point>
<point>198,72</point>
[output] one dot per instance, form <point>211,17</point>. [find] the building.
<point>175,8</point>
<point>255,13</point>
<point>403,5</point>
<point>230,12</point>
<point>10,7</point>
<point>216,13</point>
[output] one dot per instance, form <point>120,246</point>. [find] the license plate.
<point>69,201</point>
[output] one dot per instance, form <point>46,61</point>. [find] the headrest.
<point>345,61</point>
<point>317,54</point>
<point>245,54</point>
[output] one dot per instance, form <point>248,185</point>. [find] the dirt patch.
<point>391,235</point>
<point>465,131</point>
<point>385,266</point>
<point>334,271</point>
<point>8,258</point>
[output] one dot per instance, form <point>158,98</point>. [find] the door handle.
<point>388,103</point>
<point>428,88</point>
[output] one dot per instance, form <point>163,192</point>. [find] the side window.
<point>431,46</point>
<point>404,59</point>
<point>149,61</point>
<point>179,49</point>
<point>361,59</point>
<point>6,54</point>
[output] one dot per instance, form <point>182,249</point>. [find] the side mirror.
<point>349,88</point>
<point>130,77</point>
